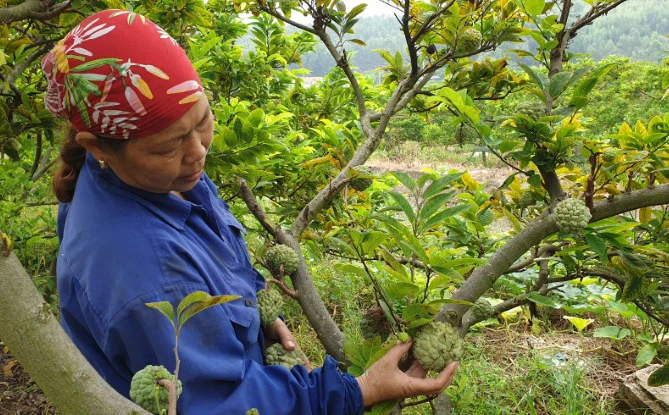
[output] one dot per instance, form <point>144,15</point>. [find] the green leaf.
<point>165,308</point>
<point>534,7</point>
<point>404,205</point>
<point>229,136</point>
<point>542,300</point>
<point>405,179</point>
<point>190,299</point>
<point>611,332</point>
<point>440,184</point>
<point>256,118</point>
<point>598,245</point>
<point>558,84</point>
<point>434,204</point>
<point>352,269</point>
<point>535,77</point>
<point>399,290</point>
<point>213,301</point>
<point>646,354</point>
<point>659,377</point>
<point>371,240</point>
<point>356,11</point>
<point>443,215</point>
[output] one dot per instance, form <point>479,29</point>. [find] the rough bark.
<point>329,334</point>
<point>39,343</point>
<point>21,11</point>
<point>484,276</point>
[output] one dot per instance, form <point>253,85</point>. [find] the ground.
<point>18,393</point>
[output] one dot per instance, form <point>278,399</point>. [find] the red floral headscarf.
<point>118,74</point>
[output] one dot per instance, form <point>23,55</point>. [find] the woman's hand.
<point>384,380</point>
<point>280,333</point>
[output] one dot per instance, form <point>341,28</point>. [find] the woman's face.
<point>170,160</point>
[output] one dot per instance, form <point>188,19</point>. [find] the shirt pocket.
<point>235,234</point>
<point>243,312</point>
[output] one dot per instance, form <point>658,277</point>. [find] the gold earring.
<point>103,164</point>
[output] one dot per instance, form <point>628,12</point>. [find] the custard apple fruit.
<point>533,110</point>
<point>572,216</point>
<point>270,303</point>
<point>277,355</point>
<point>436,344</point>
<point>609,155</point>
<point>482,309</point>
<point>468,41</point>
<point>147,393</point>
<point>341,6</point>
<point>363,178</point>
<point>281,255</point>
<point>374,323</point>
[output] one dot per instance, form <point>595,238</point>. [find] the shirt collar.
<point>170,208</point>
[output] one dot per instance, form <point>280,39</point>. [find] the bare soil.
<point>19,395</point>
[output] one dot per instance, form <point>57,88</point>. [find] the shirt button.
<point>249,302</point>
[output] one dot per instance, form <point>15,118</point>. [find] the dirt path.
<point>491,176</point>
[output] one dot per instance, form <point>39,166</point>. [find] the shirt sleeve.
<point>217,375</point>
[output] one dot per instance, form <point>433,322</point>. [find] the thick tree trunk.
<point>39,343</point>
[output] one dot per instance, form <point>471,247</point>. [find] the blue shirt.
<point>122,247</point>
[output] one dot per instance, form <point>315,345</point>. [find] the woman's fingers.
<point>283,335</point>
<point>432,386</point>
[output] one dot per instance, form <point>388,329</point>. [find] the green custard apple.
<point>277,355</point>
<point>572,216</point>
<point>436,344</point>
<point>147,393</point>
<point>270,303</point>
<point>281,255</point>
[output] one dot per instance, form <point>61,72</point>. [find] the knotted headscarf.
<point>119,75</point>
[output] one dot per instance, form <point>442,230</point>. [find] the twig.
<point>286,290</point>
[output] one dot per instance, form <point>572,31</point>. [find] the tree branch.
<point>38,341</point>
<point>592,15</point>
<point>284,19</point>
<point>255,208</point>
<point>543,226</point>
<point>30,9</point>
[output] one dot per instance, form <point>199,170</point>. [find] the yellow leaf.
<point>469,181</point>
<point>319,160</point>
<point>5,244</point>
<point>625,129</point>
<point>579,323</point>
<point>7,370</point>
<point>644,215</point>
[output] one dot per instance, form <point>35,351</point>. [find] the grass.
<point>414,153</point>
<point>498,374</point>
<point>532,383</point>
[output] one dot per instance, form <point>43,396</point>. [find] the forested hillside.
<point>637,29</point>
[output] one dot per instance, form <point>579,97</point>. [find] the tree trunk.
<point>39,343</point>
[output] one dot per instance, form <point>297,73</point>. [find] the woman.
<point>141,222</point>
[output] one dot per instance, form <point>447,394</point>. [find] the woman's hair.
<point>72,157</point>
